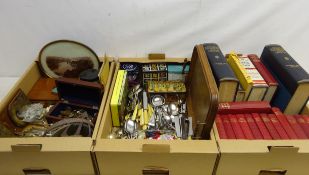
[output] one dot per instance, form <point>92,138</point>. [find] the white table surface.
<point>6,83</point>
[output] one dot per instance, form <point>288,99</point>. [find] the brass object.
<point>18,102</point>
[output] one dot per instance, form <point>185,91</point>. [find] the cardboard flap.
<point>80,92</point>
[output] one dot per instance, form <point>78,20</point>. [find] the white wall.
<point>137,27</point>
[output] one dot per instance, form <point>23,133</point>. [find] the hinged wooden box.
<point>175,157</point>
<point>49,155</point>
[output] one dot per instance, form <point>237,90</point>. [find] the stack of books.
<point>275,77</point>
<point>258,120</point>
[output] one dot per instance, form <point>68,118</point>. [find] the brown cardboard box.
<point>177,157</point>
<point>55,155</point>
<point>254,157</point>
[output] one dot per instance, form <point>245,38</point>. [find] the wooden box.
<point>176,157</point>
<point>48,155</point>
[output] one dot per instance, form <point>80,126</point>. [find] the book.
<point>114,104</point>
<point>254,128</point>
<point>228,127</point>
<point>278,126</point>
<point>244,107</point>
<point>285,123</point>
<point>270,127</point>
<point>306,118</point>
<point>240,94</point>
<point>220,127</point>
<point>296,127</point>
<point>264,131</point>
<point>244,126</point>
<point>225,78</point>
<point>236,127</point>
<point>269,79</point>
<point>250,79</point>
<point>293,89</point>
<point>303,124</point>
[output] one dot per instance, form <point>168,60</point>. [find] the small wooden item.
<point>42,90</point>
<point>76,94</point>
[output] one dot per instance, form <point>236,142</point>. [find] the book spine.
<point>254,128</point>
<point>285,123</point>
<point>244,126</point>
<point>220,127</point>
<point>296,127</point>
<point>306,118</point>
<point>244,107</point>
<point>114,100</point>
<point>241,73</point>
<point>218,63</point>
<point>270,127</point>
<point>270,80</point>
<point>264,131</point>
<point>283,66</point>
<point>278,127</point>
<point>228,127</point>
<point>302,122</point>
<point>236,127</point>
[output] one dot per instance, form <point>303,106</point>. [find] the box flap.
<point>80,92</point>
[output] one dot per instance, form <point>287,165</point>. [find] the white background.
<point>137,27</point>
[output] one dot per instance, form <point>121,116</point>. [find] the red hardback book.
<point>285,123</point>
<point>268,77</point>
<point>303,124</point>
<point>296,127</point>
<point>254,128</point>
<point>265,133</point>
<point>236,127</point>
<point>244,107</point>
<point>244,126</point>
<point>279,128</point>
<point>228,127</point>
<point>270,127</point>
<point>220,127</point>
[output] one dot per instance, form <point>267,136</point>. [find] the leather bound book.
<point>296,127</point>
<point>270,80</point>
<point>220,127</point>
<point>249,77</point>
<point>279,128</point>
<point>264,131</point>
<point>254,128</point>
<point>228,127</point>
<point>293,89</point>
<point>236,127</point>
<point>285,123</point>
<point>225,78</point>
<point>244,107</point>
<point>270,127</point>
<point>306,118</point>
<point>303,124</point>
<point>244,126</point>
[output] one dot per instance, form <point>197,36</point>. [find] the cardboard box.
<point>262,157</point>
<point>49,155</point>
<point>176,157</point>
